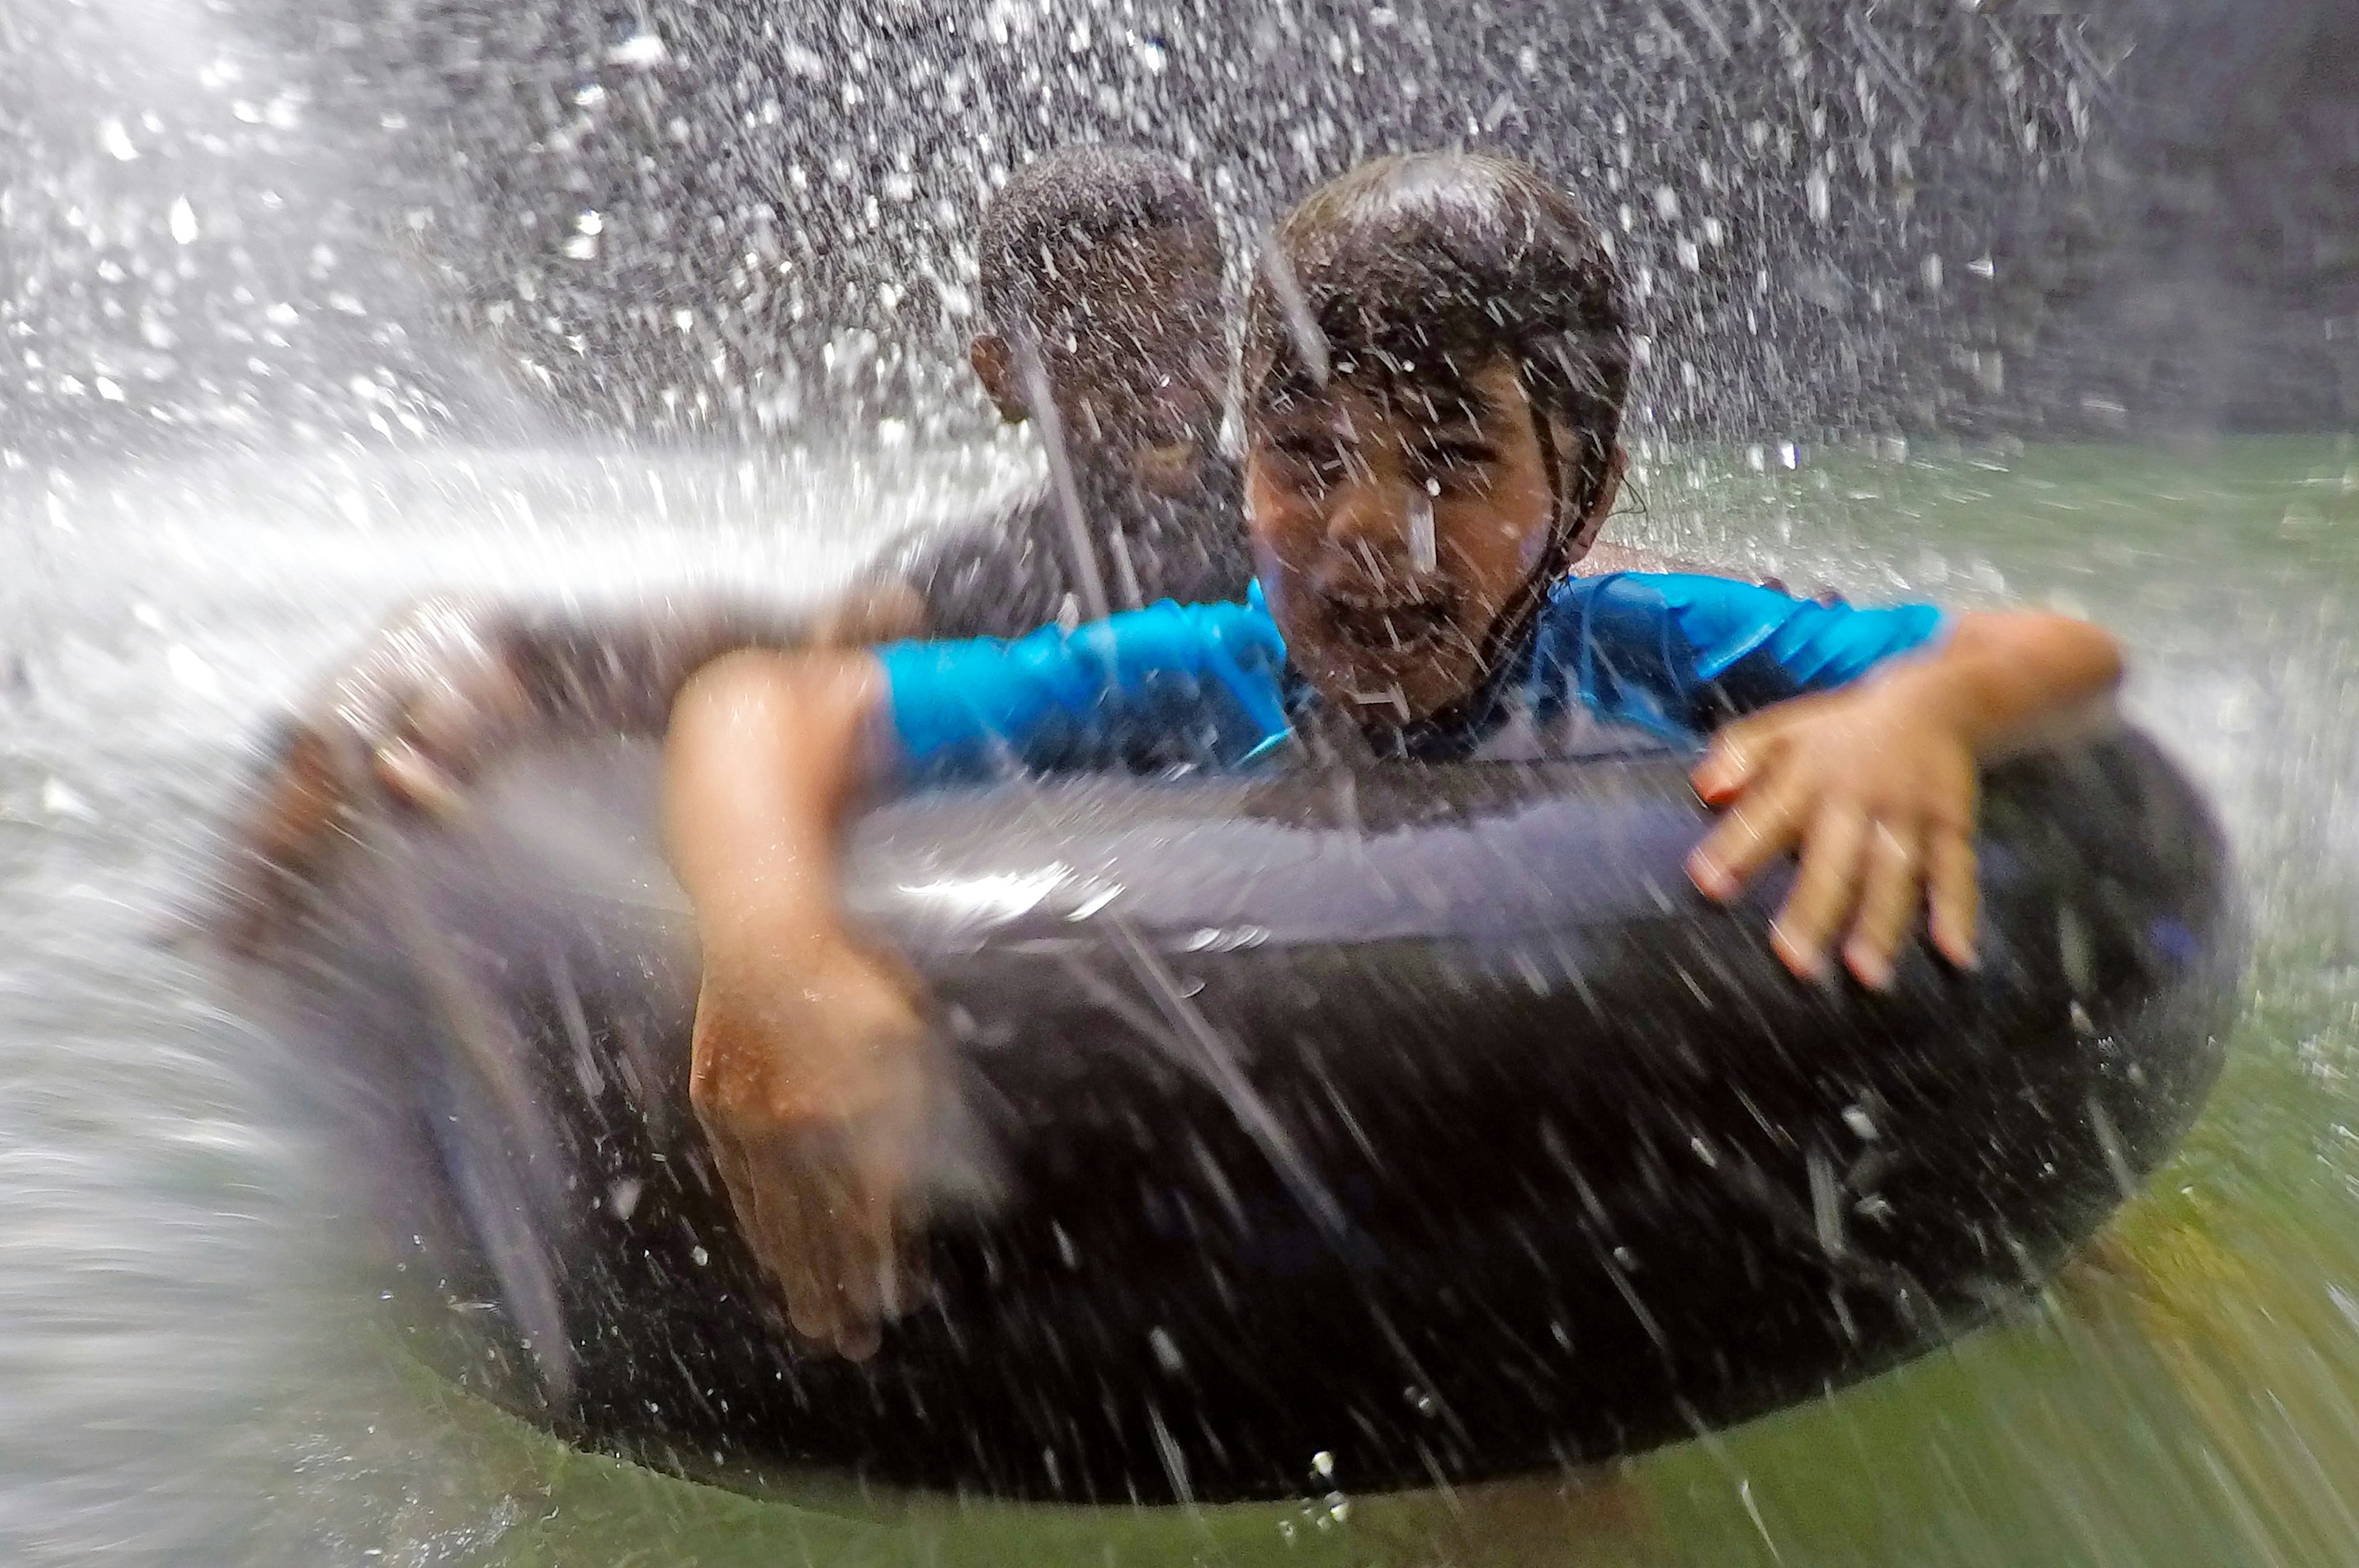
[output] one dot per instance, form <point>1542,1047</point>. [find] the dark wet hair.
<point>1073,201</point>
<point>1420,271</point>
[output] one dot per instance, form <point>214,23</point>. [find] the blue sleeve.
<point>1677,654</point>
<point>1167,684</point>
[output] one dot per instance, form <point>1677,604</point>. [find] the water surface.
<point>195,1370</point>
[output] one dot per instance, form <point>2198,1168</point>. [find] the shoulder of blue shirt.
<point>1665,651</point>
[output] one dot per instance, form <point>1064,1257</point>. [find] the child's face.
<point>1390,533</point>
<point>1133,355</point>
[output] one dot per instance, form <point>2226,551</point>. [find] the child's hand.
<point>809,1077</point>
<point>1874,786</point>
<point>450,687</point>
<point>437,686</point>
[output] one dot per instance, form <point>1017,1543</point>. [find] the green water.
<point>2188,1396</point>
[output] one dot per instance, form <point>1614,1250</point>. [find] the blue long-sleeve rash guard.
<point>1671,654</point>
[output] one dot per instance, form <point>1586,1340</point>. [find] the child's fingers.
<point>1744,750</point>
<point>1762,824</point>
<point>461,714</point>
<point>864,1253</point>
<point>792,1240</point>
<point>844,1272</point>
<point>879,1167</point>
<point>736,1181</point>
<point>754,1193</point>
<point>1726,768</point>
<point>417,780</point>
<point>825,1236</point>
<point>765,1192</point>
<point>1888,903</point>
<point>1825,892</point>
<point>292,826</point>
<point>1954,893</point>
<point>850,1251</point>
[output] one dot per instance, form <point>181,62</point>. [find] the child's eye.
<point>1455,464</point>
<point>1468,453</point>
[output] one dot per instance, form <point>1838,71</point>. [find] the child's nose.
<point>1368,517</point>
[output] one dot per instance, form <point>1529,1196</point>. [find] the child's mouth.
<point>1389,628</point>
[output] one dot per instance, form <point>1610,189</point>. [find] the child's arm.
<point>451,686</point>
<point>1874,783</point>
<point>808,1069</point>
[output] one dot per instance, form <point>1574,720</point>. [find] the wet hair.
<point>1416,272</point>
<point>1074,201</point>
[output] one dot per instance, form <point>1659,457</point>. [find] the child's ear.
<point>1591,522</point>
<point>995,366</point>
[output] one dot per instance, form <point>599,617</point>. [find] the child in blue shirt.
<point>1436,365</point>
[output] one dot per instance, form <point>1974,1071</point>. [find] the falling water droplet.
<point>640,51</point>
<point>60,799</point>
<point>191,671</point>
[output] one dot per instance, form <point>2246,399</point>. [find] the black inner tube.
<point>1422,1117</point>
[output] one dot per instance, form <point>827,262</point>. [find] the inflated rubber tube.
<point>1422,1120</point>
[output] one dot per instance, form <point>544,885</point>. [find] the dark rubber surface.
<point>1423,1118</point>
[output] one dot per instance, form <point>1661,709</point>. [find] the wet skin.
<point>1390,534</point>
<point>1127,362</point>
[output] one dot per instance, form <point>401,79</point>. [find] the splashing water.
<point>304,310</point>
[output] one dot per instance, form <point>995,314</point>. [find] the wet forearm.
<point>766,756</point>
<point>2017,679</point>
